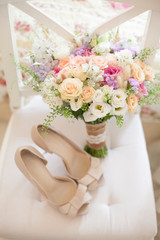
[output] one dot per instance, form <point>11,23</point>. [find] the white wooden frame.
<point>8,43</point>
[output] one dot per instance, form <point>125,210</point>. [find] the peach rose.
<point>78,73</point>
<point>111,59</point>
<point>65,62</point>
<point>132,101</point>
<point>140,63</point>
<point>79,60</point>
<point>100,61</point>
<point>137,72</point>
<point>64,73</point>
<point>87,94</point>
<point>149,73</point>
<point>70,88</point>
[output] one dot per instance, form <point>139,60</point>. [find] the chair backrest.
<point>8,42</point>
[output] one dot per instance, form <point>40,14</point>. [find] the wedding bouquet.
<point>94,81</point>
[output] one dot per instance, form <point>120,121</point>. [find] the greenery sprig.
<point>153,95</point>
<point>145,53</point>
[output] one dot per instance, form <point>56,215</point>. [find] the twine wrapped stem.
<point>96,140</point>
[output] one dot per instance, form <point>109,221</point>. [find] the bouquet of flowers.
<point>94,81</point>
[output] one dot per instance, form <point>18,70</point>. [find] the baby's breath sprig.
<point>145,53</point>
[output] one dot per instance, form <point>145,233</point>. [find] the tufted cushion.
<point>122,208</point>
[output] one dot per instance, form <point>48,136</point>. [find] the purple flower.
<point>121,45</point>
<point>134,83</point>
<point>82,51</point>
<point>40,70</point>
<point>110,81</point>
<point>88,39</point>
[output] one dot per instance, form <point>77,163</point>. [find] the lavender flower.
<point>121,45</point>
<point>88,39</point>
<point>110,81</point>
<point>40,70</point>
<point>82,51</point>
<point>134,83</point>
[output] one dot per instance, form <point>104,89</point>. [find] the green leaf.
<point>120,120</point>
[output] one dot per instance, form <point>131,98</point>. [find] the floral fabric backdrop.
<point>78,16</point>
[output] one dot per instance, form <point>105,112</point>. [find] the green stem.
<point>99,153</point>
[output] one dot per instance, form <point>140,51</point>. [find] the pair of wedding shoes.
<point>68,194</point>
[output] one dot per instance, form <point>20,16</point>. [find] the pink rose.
<point>112,71</point>
<point>142,91</point>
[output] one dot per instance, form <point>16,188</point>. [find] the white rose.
<point>118,98</point>
<point>89,117</point>
<point>120,111</point>
<point>100,109</point>
<point>76,103</point>
<point>98,96</point>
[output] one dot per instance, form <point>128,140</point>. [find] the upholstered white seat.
<point>122,208</point>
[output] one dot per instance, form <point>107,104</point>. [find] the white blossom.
<point>89,117</point>
<point>124,57</point>
<point>98,96</point>
<point>76,103</point>
<point>118,98</point>
<point>100,109</point>
<point>93,73</point>
<point>120,111</point>
<point>102,48</point>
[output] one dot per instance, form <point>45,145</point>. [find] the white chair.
<point>123,208</point>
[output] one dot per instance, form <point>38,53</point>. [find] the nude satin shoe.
<point>79,165</point>
<point>69,197</point>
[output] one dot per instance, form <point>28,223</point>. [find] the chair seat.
<point>122,208</point>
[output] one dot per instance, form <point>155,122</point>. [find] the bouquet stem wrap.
<point>96,140</point>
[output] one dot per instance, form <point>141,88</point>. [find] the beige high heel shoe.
<point>69,197</point>
<point>79,165</point>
